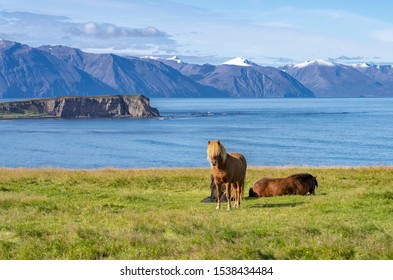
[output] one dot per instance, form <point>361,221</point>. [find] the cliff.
<point>112,106</point>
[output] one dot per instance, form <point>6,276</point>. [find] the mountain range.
<point>329,79</point>
<point>49,71</point>
<point>240,77</point>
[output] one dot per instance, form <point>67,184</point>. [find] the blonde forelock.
<point>216,149</point>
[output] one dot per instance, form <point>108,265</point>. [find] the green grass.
<point>157,214</point>
<point>24,114</point>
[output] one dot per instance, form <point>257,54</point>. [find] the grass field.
<point>26,115</point>
<point>157,214</point>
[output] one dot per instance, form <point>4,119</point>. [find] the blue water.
<point>269,132</point>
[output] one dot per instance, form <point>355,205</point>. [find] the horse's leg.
<point>233,190</point>
<point>228,194</point>
<point>218,194</point>
<point>239,193</point>
<point>237,196</point>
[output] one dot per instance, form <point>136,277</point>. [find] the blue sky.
<point>208,31</point>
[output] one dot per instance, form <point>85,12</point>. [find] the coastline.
<point>250,167</point>
<point>80,107</point>
<point>262,130</point>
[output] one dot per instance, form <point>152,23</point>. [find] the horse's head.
<point>216,152</point>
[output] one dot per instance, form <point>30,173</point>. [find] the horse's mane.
<point>216,149</point>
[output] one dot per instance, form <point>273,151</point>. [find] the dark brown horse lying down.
<point>302,183</point>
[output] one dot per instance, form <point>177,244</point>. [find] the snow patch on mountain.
<point>361,65</point>
<point>318,62</point>
<point>173,58</point>
<point>240,61</point>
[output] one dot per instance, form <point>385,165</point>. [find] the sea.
<point>268,132</point>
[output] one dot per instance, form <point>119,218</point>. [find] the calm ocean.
<point>269,132</point>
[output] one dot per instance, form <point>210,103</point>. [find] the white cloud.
<point>385,35</point>
<point>134,50</point>
<point>107,30</point>
<point>37,29</point>
<point>269,34</point>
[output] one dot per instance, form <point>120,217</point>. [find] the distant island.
<point>75,107</point>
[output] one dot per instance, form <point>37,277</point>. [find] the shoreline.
<point>197,168</point>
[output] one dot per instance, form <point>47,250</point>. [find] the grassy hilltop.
<point>157,214</point>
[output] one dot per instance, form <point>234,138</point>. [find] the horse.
<point>296,184</point>
<point>213,194</point>
<point>227,168</point>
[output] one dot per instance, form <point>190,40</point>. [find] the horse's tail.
<point>243,159</point>
<point>315,185</point>
<point>251,193</point>
<point>243,187</point>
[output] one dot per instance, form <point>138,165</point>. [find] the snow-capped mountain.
<point>317,62</point>
<point>382,74</point>
<point>329,79</point>
<point>243,81</point>
<point>240,61</point>
<point>175,59</point>
<point>255,81</point>
<point>50,71</point>
<point>361,65</point>
<point>168,59</point>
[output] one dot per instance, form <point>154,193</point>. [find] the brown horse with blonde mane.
<point>228,168</point>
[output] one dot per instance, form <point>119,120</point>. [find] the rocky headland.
<point>106,106</point>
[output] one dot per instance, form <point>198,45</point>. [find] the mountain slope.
<point>240,77</point>
<point>49,71</point>
<point>194,71</point>
<point>254,81</point>
<point>29,72</point>
<point>129,74</point>
<point>382,74</point>
<point>328,79</point>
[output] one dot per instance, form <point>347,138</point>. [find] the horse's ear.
<point>218,141</point>
<point>208,142</point>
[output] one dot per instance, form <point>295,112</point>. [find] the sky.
<point>270,33</point>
